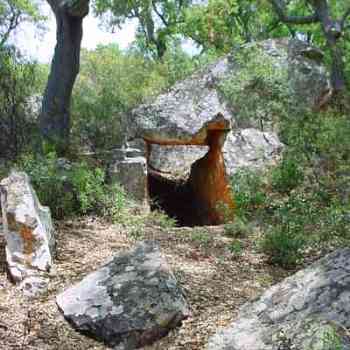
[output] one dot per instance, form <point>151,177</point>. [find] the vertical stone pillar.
<point>210,184</point>
<point>129,169</point>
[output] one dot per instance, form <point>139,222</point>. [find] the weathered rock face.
<point>244,148</point>
<point>175,161</point>
<point>297,313</point>
<point>307,74</point>
<point>184,115</point>
<point>129,302</point>
<point>28,228</point>
<point>251,149</point>
<point>128,167</point>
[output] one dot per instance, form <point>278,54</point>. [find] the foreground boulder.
<point>131,301</point>
<point>308,311</point>
<point>28,231</point>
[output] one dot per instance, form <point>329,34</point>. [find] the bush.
<point>283,246</point>
<point>71,188</point>
<point>286,176</point>
<point>19,80</point>
<point>236,248</point>
<point>238,228</point>
<point>248,190</point>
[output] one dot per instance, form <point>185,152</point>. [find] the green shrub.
<point>19,80</point>
<point>238,228</point>
<point>248,190</point>
<point>161,219</point>
<point>331,340</point>
<point>283,246</point>
<point>286,176</point>
<point>236,248</point>
<point>71,188</point>
<point>201,236</point>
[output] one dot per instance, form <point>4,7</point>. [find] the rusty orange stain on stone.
<point>27,235</point>
<point>208,175</point>
<point>25,232</point>
<point>200,139</point>
<point>210,184</point>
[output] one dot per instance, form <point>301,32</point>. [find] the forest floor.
<point>215,280</point>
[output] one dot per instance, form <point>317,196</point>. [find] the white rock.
<point>28,228</point>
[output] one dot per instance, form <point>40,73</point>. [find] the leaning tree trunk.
<point>55,113</point>
<point>333,32</point>
<point>337,69</point>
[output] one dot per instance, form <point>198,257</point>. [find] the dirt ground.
<point>216,283</point>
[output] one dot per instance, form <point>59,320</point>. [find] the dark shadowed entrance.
<point>175,197</point>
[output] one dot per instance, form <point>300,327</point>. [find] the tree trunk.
<point>337,70</point>
<point>55,113</point>
<point>333,34</point>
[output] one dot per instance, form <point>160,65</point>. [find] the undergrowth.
<point>302,203</point>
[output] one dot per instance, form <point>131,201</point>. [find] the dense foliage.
<point>112,82</point>
<point>15,12</point>
<point>20,82</point>
<point>302,203</point>
<point>71,188</point>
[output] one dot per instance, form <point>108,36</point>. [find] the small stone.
<point>34,286</point>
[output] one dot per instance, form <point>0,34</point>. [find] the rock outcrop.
<point>28,229</point>
<point>131,301</point>
<point>308,311</point>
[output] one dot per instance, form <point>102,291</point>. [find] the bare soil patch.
<point>216,283</point>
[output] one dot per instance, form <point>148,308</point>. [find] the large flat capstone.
<point>131,301</point>
<point>308,311</point>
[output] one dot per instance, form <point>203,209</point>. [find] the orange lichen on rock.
<point>199,139</point>
<point>26,234</point>
<point>208,185</point>
<point>209,181</point>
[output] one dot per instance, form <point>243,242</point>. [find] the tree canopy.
<point>333,18</point>
<point>158,20</point>
<point>15,12</point>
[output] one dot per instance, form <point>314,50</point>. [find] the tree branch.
<point>14,21</point>
<point>280,10</point>
<point>165,22</point>
<point>344,18</point>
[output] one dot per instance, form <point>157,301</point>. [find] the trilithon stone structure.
<point>193,138</point>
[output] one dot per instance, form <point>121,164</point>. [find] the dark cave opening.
<point>175,197</point>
